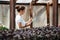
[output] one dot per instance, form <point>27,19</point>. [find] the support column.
<point>31,9</point>
<point>48,16</point>
<point>31,14</point>
<point>55,12</point>
<point>12,14</point>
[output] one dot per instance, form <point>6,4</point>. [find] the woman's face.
<point>22,12</point>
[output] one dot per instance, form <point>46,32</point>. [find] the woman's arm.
<point>29,21</point>
<point>21,26</point>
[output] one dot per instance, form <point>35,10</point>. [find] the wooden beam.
<point>4,2</point>
<point>12,14</point>
<point>31,14</point>
<point>48,15</point>
<point>55,12</point>
<point>37,4</point>
<point>7,3</point>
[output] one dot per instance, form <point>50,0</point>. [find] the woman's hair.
<point>20,8</point>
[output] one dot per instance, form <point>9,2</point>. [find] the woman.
<point>20,23</point>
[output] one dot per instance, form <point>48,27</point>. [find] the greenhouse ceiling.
<point>28,1</point>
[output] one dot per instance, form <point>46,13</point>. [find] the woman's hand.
<point>29,22</point>
<point>30,19</point>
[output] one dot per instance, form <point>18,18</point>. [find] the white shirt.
<point>19,19</point>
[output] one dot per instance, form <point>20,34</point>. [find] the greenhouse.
<point>29,19</point>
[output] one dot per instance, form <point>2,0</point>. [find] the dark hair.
<point>20,8</point>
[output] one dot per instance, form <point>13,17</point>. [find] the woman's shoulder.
<point>18,16</point>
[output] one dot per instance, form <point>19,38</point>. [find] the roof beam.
<point>38,4</point>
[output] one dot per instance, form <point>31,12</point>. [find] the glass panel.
<point>51,15</point>
<point>28,1</point>
<point>59,15</point>
<point>5,15</point>
<point>24,1</point>
<point>44,1</point>
<point>58,1</point>
<point>39,17</point>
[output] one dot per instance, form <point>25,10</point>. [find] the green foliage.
<point>3,28</point>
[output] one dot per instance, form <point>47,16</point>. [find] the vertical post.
<point>12,14</point>
<point>48,16</point>
<point>55,13</point>
<point>31,14</point>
